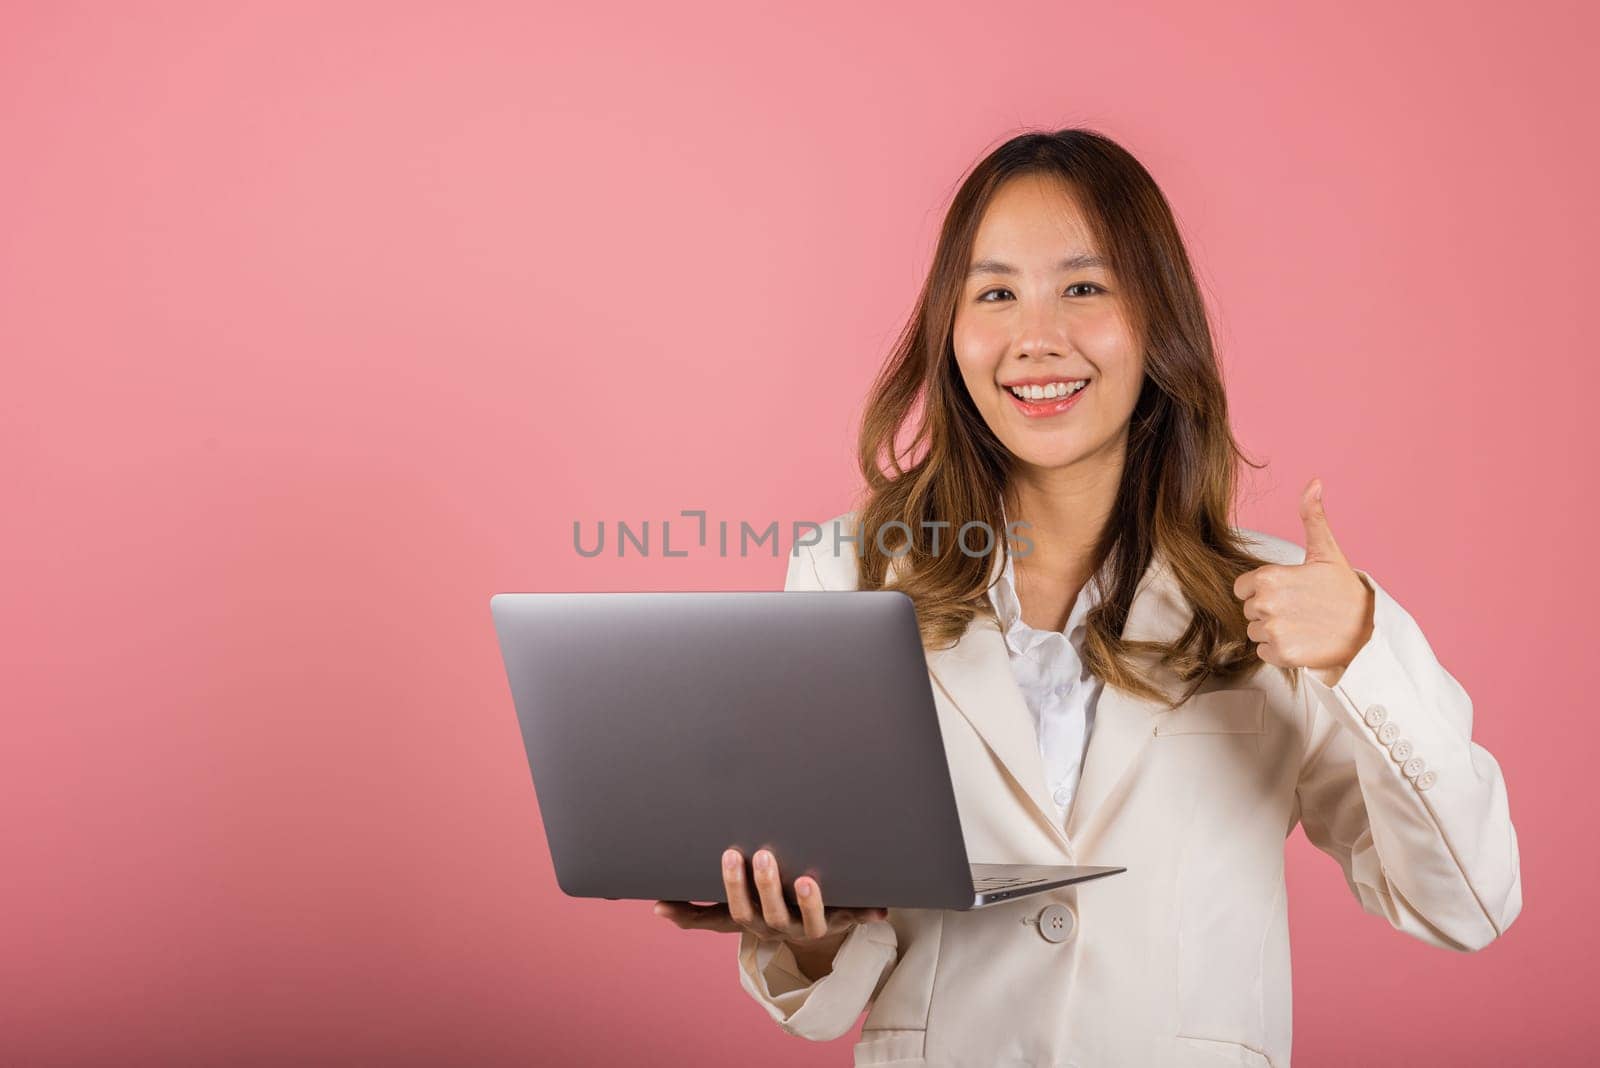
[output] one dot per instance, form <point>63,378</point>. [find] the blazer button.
<point>1375,716</point>
<point>1056,923</point>
<point>1413,767</point>
<point>1388,732</point>
<point>1401,750</point>
<point>1425,780</point>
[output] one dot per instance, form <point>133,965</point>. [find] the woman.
<point>1102,697</point>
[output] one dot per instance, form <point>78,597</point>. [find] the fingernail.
<point>660,910</point>
<point>730,860</point>
<point>803,889</point>
<point>763,859</point>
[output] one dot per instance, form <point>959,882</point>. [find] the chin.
<point>1050,459</point>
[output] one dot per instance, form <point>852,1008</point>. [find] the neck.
<point>1066,509</point>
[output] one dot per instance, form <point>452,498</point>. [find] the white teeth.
<point>1049,392</point>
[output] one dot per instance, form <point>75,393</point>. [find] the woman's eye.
<point>983,297</point>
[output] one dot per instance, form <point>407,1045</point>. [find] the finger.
<point>1320,545</point>
<point>774,910</point>
<point>1255,609</point>
<point>740,907</point>
<point>1256,630</point>
<point>1244,587</point>
<point>812,918</point>
<point>690,916</point>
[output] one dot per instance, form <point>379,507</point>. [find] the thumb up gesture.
<point>1317,614</point>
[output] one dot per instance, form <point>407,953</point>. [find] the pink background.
<point>320,324</point>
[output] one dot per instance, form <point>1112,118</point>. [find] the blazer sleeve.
<point>1393,788</point>
<point>828,1007</point>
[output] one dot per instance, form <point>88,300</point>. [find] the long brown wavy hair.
<point>928,456</point>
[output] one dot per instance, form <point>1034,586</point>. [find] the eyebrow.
<point>1072,263</point>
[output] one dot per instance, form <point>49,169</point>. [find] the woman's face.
<point>1039,309</point>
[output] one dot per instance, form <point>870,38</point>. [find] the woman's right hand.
<point>771,918</point>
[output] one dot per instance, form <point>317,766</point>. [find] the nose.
<point>1045,333</point>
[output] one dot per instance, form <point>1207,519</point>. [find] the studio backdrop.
<point>321,323</point>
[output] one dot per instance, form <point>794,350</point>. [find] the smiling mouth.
<point>1056,398</point>
<point>1050,391</point>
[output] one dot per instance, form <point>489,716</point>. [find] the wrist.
<point>815,955</point>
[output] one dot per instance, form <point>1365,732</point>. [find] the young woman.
<point>1103,698</point>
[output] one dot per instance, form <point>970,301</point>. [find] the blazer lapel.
<point>976,676</point>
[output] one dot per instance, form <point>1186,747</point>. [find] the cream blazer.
<point>1184,958</point>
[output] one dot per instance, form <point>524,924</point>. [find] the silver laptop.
<point>662,728</point>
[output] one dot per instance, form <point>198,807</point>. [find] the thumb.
<point>1319,536</point>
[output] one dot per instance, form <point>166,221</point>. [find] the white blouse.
<point>1057,686</point>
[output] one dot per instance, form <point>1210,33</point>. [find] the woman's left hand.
<point>1317,614</point>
